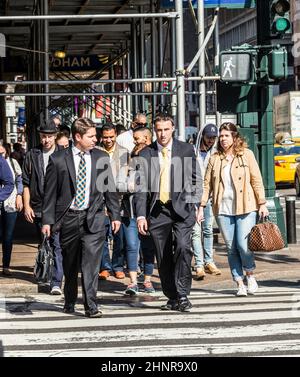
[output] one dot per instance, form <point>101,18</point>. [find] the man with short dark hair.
<point>78,185</point>
<point>142,135</point>
<point>34,170</point>
<point>166,206</point>
<point>128,234</point>
<point>119,158</point>
<point>203,251</point>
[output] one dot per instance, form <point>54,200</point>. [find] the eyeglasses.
<point>138,124</point>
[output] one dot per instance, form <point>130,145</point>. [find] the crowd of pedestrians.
<point>113,201</point>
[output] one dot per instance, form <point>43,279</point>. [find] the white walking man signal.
<point>228,65</point>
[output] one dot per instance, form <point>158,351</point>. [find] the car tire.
<point>297,186</point>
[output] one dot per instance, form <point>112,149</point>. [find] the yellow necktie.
<point>164,194</point>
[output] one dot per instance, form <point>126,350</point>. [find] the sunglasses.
<point>140,124</point>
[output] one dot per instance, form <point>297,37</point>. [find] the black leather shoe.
<point>69,308</point>
<point>93,313</point>
<point>170,305</point>
<point>184,304</point>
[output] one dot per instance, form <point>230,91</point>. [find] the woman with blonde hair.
<point>234,182</point>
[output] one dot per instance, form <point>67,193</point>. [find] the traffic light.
<point>237,66</point>
<point>280,20</point>
<point>166,86</point>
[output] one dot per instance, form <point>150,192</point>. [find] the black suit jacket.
<point>60,189</point>
<point>186,181</point>
<point>33,177</point>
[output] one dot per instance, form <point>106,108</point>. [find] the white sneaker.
<point>56,291</point>
<point>252,285</point>
<point>242,291</point>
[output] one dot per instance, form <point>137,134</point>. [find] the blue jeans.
<point>116,263</point>
<point>148,253</point>
<point>203,253</point>
<point>235,231</point>
<point>105,260</point>
<point>127,238</point>
<point>8,222</point>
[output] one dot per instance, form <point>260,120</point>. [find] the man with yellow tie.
<point>165,201</point>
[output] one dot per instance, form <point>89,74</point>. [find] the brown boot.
<point>103,275</point>
<point>211,268</point>
<point>200,273</point>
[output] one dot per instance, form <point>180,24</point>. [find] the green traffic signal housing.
<point>280,17</point>
<point>237,66</point>
<point>278,64</point>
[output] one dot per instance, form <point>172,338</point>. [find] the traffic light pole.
<point>265,120</point>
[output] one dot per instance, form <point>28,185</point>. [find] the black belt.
<point>78,211</point>
<point>166,204</point>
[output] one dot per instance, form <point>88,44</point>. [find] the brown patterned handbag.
<point>265,236</point>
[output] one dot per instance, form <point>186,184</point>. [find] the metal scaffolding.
<point>135,89</point>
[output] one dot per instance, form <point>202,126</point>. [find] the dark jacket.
<point>186,184</point>
<point>6,180</point>
<point>60,190</point>
<point>33,177</point>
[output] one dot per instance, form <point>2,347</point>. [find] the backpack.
<point>44,263</point>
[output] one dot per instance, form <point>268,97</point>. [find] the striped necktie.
<point>81,182</point>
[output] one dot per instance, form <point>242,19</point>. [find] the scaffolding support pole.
<point>90,94</point>
<point>142,59</point>
<point>108,81</point>
<point>134,63</point>
<point>113,100</point>
<point>160,60</point>
<point>201,65</point>
<point>46,58</point>
<point>153,57</point>
<point>173,70</point>
<point>180,72</point>
<point>217,56</point>
<point>87,16</point>
<point>129,102</point>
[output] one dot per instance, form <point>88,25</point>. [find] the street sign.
<point>212,3</point>
<point>77,63</point>
<point>236,66</point>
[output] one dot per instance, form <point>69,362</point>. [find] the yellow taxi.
<point>297,178</point>
<point>285,161</point>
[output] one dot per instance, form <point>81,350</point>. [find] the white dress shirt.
<point>126,140</point>
<point>87,156</point>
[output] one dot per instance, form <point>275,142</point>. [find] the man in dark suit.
<point>78,180</point>
<point>34,170</point>
<point>170,188</point>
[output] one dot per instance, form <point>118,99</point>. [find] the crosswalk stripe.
<point>219,324</point>
<point>289,347</point>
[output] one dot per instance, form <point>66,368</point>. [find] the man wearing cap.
<point>203,253</point>
<point>34,170</point>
